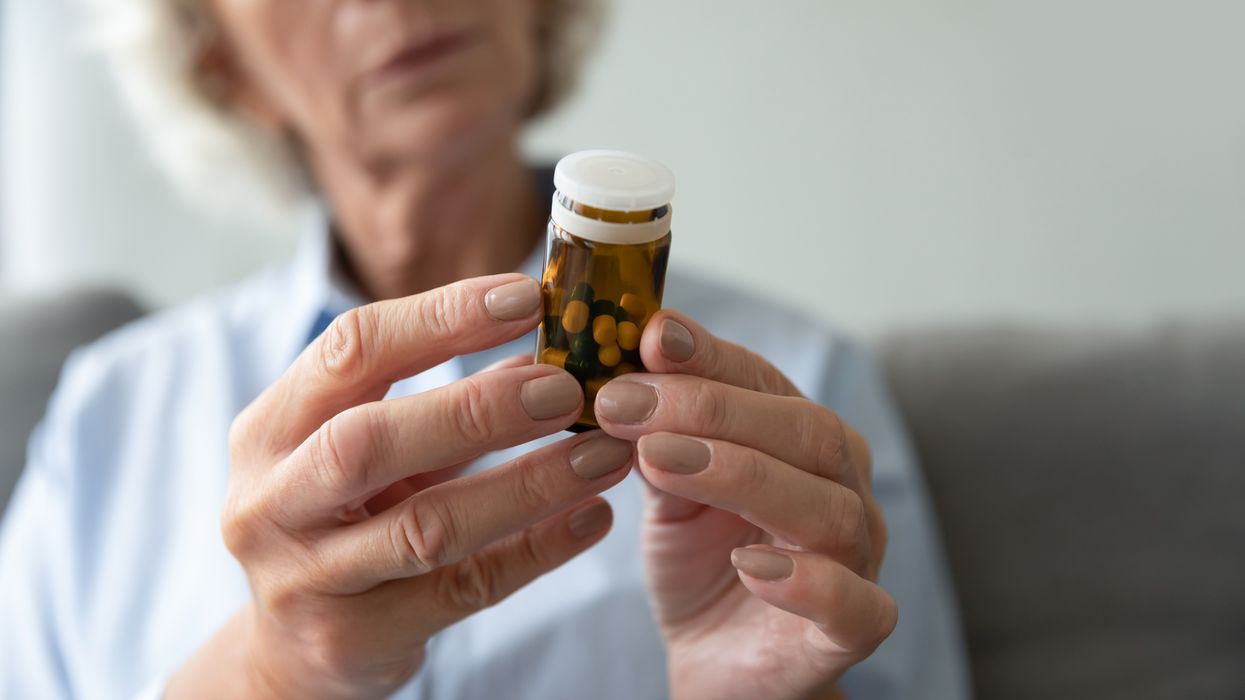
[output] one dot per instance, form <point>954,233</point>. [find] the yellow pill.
<point>554,356</point>
<point>604,330</point>
<point>575,318</point>
<point>634,306</point>
<point>609,355</point>
<point>628,335</point>
<point>624,368</point>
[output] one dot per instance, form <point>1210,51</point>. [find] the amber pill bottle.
<point>605,267</point>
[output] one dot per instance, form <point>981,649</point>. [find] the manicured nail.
<point>677,342</point>
<point>550,397</point>
<point>590,519</point>
<point>674,453</point>
<point>763,564</point>
<point>599,455</point>
<point>514,301</point>
<point>625,402</point>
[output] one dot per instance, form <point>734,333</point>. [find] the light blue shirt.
<point>113,572</point>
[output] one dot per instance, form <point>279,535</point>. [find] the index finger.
<point>674,343</point>
<point>368,348</point>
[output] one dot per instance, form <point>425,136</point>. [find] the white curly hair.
<point>217,158</point>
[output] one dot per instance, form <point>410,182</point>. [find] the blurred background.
<point>876,164</point>
<point>1035,211</point>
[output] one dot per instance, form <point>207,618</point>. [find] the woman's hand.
<point>762,536</point>
<point>358,541</point>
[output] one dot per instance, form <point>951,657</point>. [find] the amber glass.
<point>598,299</point>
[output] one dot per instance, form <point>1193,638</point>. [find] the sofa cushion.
<point>1089,487</point>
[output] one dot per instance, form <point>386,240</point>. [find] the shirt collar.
<point>321,290</point>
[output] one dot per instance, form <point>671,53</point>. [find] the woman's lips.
<point>418,56</point>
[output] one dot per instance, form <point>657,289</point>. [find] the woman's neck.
<point>410,229</point>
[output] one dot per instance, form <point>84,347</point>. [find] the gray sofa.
<point>1087,485</point>
<point>38,334</point>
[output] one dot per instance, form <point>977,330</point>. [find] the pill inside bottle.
<point>605,269</point>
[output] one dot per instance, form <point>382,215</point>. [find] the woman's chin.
<point>441,131</point>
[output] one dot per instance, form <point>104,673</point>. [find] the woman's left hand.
<point>762,536</point>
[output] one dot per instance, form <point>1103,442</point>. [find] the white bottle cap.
<point>616,181</point>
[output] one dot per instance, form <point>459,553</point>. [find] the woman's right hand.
<point>357,538</point>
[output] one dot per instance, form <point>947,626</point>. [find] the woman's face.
<point>384,80</point>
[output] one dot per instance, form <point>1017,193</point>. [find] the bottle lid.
<point>614,180</point>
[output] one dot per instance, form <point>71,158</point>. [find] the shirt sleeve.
<point>925,656</point>
<point>41,545</point>
<point>35,578</point>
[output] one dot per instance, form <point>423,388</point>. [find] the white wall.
<point>873,162</point>
<point>81,204</point>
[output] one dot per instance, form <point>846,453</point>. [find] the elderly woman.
<point>346,478</point>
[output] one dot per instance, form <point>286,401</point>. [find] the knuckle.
<point>879,536</point>
<point>825,429</point>
<point>534,488</point>
<point>712,408</point>
<point>482,582</point>
<point>859,452</point>
<point>329,465</point>
<point>751,473</point>
<point>328,647</point>
<point>531,550</point>
<point>342,351</point>
<point>751,369</point>
<point>241,432</point>
<point>441,310</point>
<point>472,418</point>
<point>848,524</point>
<point>888,619</point>
<point>281,597</point>
<point>243,526</point>
<point>239,535</point>
<point>473,586</point>
<point>420,536</point>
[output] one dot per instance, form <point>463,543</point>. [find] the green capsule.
<point>582,368</point>
<point>582,345</point>
<point>582,292</point>
<point>603,307</point>
<point>635,306</point>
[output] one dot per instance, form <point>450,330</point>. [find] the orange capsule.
<point>604,330</point>
<point>634,306</point>
<point>628,335</point>
<point>554,356</point>
<point>609,355</point>
<point>575,318</point>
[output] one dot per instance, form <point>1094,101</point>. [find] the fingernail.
<point>590,519</point>
<point>763,564</point>
<point>677,342</point>
<point>600,455</point>
<point>514,301</point>
<point>550,397</point>
<point>626,402</point>
<point>674,453</point>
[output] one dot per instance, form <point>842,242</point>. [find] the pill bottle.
<point>605,266</point>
